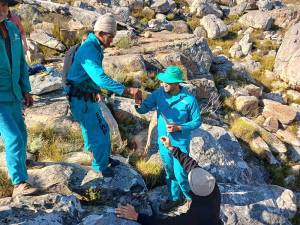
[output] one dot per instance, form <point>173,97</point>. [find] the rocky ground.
<point>240,59</point>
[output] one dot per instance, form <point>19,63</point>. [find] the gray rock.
<point>285,17</point>
<point>214,26</point>
<point>254,90</point>
<point>271,124</point>
<point>275,96</point>
<point>163,6</point>
<point>262,204</point>
<point>43,38</point>
<point>238,9</point>
<point>285,114</point>
<point>257,19</point>
<point>159,25</point>
<point>294,153</point>
<point>265,5</point>
<point>202,8</point>
<point>107,218</point>
<point>44,83</point>
<point>200,32</point>
<point>288,137</point>
<point>227,163</point>
<point>180,27</point>
<point>33,54</point>
<point>246,104</point>
<point>48,209</point>
<point>287,59</point>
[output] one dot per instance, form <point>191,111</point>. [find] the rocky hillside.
<point>240,59</point>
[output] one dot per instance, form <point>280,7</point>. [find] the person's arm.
<point>195,117</point>
<point>129,212</point>
<point>148,104</point>
<point>187,162</point>
<point>175,220</point>
<point>96,73</point>
<point>24,75</point>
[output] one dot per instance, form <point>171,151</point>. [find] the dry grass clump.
<point>6,188</point>
<point>52,144</point>
<point>125,43</point>
<point>193,22</point>
<point>243,129</point>
<point>151,172</point>
<point>225,43</point>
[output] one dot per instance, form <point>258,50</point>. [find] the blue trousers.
<point>14,135</point>
<point>176,176</point>
<point>95,131</point>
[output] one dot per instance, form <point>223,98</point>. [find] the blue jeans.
<point>14,135</point>
<point>176,176</point>
<point>95,131</point>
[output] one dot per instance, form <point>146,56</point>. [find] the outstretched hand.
<point>136,94</point>
<point>28,100</point>
<point>127,212</point>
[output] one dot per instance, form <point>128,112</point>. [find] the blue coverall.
<point>86,74</point>
<point>14,82</point>
<point>180,109</point>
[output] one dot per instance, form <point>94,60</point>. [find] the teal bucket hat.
<point>171,75</point>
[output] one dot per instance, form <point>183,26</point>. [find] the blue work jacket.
<point>181,109</point>
<point>86,72</point>
<point>14,79</point>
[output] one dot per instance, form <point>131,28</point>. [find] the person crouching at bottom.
<point>204,209</point>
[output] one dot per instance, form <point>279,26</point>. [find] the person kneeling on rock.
<point>204,209</point>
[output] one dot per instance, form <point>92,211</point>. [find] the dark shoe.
<point>24,189</point>
<point>108,172</point>
<point>169,204</point>
<point>113,162</point>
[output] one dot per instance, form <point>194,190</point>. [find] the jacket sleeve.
<point>96,73</point>
<point>24,75</point>
<point>151,220</point>
<point>195,117</point>
<point>148,104</point>
<point>187,162</point>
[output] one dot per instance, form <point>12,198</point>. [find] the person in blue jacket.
<point>86,76</point>
<point>14,88</point>
<point>178,114</point>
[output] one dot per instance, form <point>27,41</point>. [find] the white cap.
<point>202,183</point>
<point>106,23</point>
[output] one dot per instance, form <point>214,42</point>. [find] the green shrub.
<point>125,43</point>
<point>6,188</point>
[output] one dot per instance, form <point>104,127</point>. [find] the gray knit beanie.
<point>106,23</point>
<point>202,183</point>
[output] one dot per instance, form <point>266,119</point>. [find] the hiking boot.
<point>113,162</point>
<point>24,189</point>
<point>169,204</point>
<point>108,172</point>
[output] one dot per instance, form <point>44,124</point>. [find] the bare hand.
<point>166,141</point>
<point>173,128</point>
<point>99,97</point>
<point>127,212</point>
<point>138,98</point>
<point>28,100</point>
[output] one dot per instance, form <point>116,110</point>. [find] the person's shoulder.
<point>12,26</point>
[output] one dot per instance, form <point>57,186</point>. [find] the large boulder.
<point>285,114</point>
<point>246,104</point>
<point>287,58</point>
<point>202,8</point>
<point>46,39</point>
<point>214,26</point>
<point>257,19</point>
<point>45,82</point>
<point>257,205</point>
<point>285,17</point>
<point>218,151</point>
<point>163,6</point>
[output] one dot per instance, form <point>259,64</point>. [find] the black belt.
<point>79,94</point>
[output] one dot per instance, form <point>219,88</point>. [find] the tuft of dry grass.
<point>52,144</point>
<point>193,22</point>
<point>6,188</point>
<point>125,43</point>
<point>151,172</point>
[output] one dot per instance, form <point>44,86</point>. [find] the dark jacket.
<point>203,210</point>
